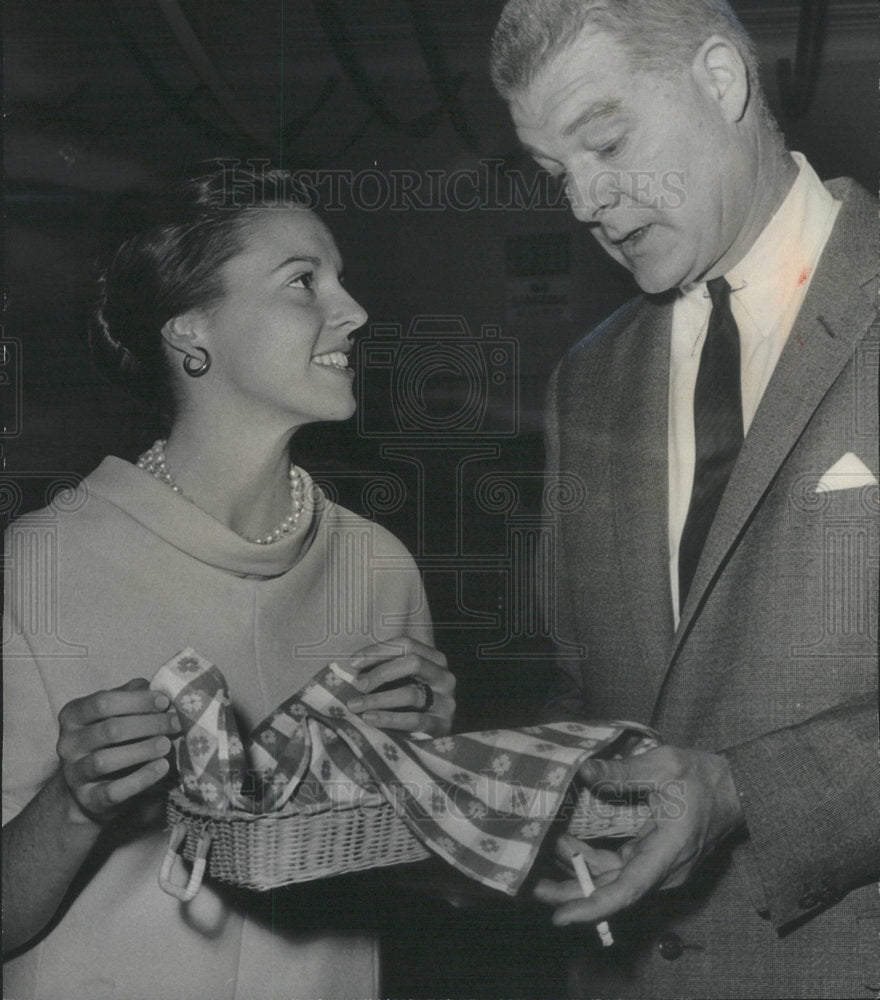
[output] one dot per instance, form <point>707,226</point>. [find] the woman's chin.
<point>335,414</point>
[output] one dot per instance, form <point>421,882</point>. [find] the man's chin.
<point>653,272</point>
<point>654,277</point>
<point>660,288</point>
<point>655,281</point>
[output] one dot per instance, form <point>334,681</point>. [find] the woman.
<point>226,301</point>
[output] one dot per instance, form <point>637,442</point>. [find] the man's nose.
<point>591,191</point>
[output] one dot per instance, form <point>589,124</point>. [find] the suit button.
<point>670,946</point>
<point>808,901</point>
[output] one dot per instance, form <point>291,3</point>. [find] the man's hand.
<point>693,806</point>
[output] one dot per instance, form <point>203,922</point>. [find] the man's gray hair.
<point>660,35</point>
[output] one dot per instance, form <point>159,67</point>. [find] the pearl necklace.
<point>153,461</point>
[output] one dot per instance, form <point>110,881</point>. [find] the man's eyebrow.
<point>299,259</point>
<point>599,109</point>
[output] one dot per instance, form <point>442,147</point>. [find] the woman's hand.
<point>113,746</point>
<point>422,698</point>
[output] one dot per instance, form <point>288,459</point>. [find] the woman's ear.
<point>720,71</point>
<point>183,332</point>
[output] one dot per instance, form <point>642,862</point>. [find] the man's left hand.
<point>693,805</point>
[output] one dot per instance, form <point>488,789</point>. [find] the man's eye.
<point>611,148</point>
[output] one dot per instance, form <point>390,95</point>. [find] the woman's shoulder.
<point>74,505</point>
<point>339,519</point>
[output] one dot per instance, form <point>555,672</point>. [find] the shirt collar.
<point>781,262</point>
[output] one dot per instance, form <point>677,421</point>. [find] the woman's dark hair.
<point>162,257</point>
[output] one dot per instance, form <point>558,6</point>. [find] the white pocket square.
<point>848,473</point>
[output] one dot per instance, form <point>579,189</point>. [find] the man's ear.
<point>720,71</point>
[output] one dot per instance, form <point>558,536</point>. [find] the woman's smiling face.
<point>280,333</point>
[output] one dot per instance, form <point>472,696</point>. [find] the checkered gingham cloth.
<point>482,801</point>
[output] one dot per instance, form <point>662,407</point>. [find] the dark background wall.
<point>474,290</point>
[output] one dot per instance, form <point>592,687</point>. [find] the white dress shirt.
<point>768,287</point>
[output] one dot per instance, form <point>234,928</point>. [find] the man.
<point>720,577</point>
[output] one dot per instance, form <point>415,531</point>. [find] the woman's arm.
<point>112,746</point>
<point>43,848</point>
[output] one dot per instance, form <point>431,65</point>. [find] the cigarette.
<point>588,888</point>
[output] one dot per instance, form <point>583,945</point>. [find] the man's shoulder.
<point>600,338</point>
<point>850,258</point>
<point>850,192</point>
<point>857,225</point>
<point>628,320</point>
<point>585,367</point>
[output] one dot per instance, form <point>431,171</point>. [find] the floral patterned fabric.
<point>482,801</point>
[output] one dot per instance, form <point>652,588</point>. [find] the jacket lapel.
<point>639,477</point>
<point>835,316</point>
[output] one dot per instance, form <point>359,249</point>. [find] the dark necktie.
<point>718,429</point>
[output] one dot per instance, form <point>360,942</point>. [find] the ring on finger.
<point>426,692</point>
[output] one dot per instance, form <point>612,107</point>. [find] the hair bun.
<point>114,359</point>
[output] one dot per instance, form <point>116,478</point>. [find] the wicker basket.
<point>273,849</point>
<point>591,818</point>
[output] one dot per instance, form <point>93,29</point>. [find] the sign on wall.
<point>538,269</point>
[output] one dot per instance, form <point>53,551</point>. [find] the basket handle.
<point>185,892</point>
